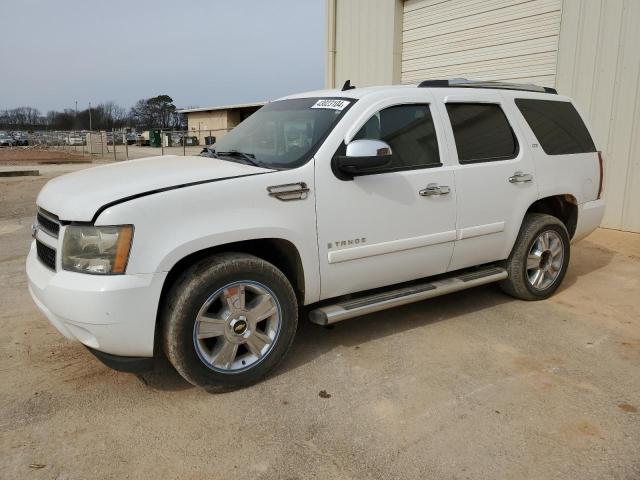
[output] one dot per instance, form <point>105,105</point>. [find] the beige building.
<point>587,49</point>
<point>217,121</point>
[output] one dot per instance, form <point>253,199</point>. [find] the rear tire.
<point>539,259</point>
<point>228,321</point>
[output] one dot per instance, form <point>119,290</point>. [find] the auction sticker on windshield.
<point>331,103</point>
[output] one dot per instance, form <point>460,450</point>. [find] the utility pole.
<point>113,136</point>
<point>90,134</point>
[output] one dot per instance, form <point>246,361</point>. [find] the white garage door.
<point>512,40</point>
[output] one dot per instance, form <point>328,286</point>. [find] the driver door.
<point>379,229</point>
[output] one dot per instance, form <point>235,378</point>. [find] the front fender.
<point>173,224</point>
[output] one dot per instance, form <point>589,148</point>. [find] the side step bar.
<point>381,301</point>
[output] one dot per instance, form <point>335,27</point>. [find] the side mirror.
<point>363,157</point>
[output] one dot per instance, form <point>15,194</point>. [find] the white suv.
<point>345,202</point>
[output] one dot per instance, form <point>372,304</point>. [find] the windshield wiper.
<point>250,158</point>
<point>208,152</point>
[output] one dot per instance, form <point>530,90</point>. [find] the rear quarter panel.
<point>575,174</point>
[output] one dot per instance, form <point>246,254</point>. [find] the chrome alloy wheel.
<point>545,260</point>
<point>237,326</point>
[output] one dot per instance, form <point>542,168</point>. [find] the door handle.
<point>433,189</point>
<point>519,177</point>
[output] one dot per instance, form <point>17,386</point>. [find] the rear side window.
<point>557,126</point>
<point>409,131</point>
<point>482,132</point>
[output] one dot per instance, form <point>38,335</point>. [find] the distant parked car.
<point>117,136</point>
<point>142,139</point>
<point>74,140</point>
<point>6,140</point>
<point>21,138</point>
<point>131,138</point>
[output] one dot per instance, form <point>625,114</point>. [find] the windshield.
<point>283,134</point>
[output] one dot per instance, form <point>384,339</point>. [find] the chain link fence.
<point>121,145</point>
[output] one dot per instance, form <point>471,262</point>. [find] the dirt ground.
<point>474,385</point>
<point>39,156</point>
<point>80,154</point>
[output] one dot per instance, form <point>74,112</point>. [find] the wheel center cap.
<point>239,326</point>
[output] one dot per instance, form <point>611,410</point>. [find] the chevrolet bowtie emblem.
<point>240,327</point>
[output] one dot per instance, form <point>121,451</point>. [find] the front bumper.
<point>124,364</point>
<point>114,314</point>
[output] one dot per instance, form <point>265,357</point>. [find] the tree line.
<point>147,113</point>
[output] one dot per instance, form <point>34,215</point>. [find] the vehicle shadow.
<point>163,376</point>
<point>313,341</point>
<point>586,257</point>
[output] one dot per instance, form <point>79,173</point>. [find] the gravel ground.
<point>474,385</point>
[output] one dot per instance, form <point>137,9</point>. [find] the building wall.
<point>588,49</point>
<point>234,117</point>
<point>204,124</point>
<point>491,40</point>
<point>599,67</point>
<point>365,43</point>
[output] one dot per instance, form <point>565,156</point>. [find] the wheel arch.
<point>282,253</point>
<point>563,206</point>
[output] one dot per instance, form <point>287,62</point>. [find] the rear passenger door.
<point>494,175</point>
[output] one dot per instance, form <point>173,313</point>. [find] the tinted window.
<point>409,131</point>
<point>557,126</point>
<point>482,132</point>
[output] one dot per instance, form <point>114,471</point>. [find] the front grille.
<point>46,254</point>
<point>48,222</point>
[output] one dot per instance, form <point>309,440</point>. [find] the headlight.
<point>97,250</point>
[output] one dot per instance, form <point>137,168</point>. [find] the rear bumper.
<point>589,217</point>
<point>111,314</point>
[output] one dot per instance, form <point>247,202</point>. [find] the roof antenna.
<point>347,86</point>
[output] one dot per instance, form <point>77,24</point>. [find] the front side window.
<point>282,134</point>
<point>557,126</point>
<point>482,132</point>
<point>409,131</point>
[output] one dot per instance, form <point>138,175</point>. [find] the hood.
<point>79,195</point>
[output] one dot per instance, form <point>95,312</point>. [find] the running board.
<point>394,298</point>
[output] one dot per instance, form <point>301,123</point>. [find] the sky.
<point>201,53</point>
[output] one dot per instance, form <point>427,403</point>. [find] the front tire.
<point>539,259</point>
<point>228,321</point>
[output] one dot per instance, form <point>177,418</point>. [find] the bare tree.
<point>154,112</point>
<point>20,118</point>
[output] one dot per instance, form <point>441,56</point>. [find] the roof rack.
<point>464,83</point>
